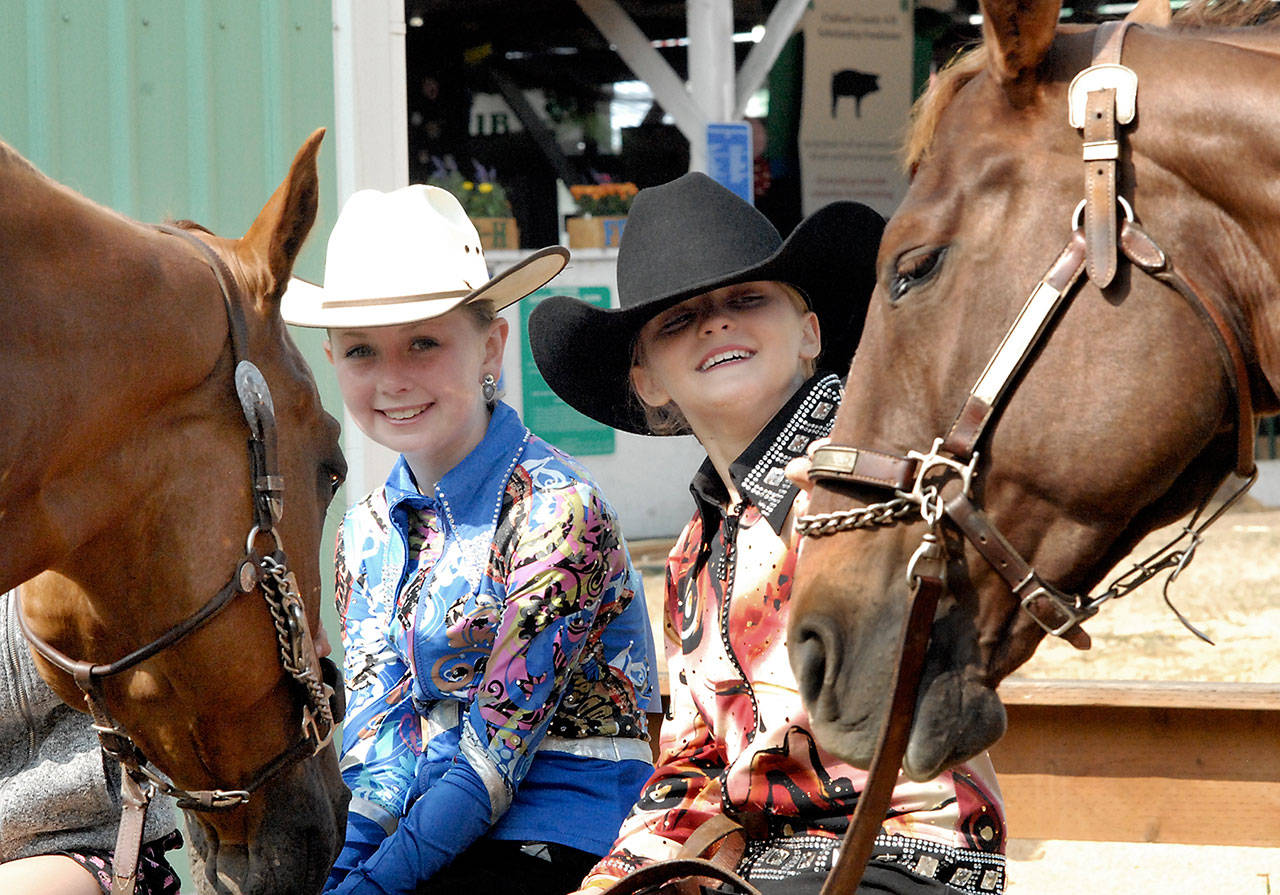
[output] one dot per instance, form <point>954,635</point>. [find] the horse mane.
<point>969,63</point>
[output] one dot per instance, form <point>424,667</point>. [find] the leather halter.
<point>255,570</point>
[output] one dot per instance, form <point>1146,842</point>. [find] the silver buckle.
<point>1105,76</point>
<point>929,500</point>
<point>1073,613</point>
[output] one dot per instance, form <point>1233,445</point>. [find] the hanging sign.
<point>856,101</point>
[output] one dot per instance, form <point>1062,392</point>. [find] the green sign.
<point>544,412</point>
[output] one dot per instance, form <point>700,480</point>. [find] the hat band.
<point>397,300</point>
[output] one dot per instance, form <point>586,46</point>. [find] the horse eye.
<point>914,269</point>
<point>334,477</point>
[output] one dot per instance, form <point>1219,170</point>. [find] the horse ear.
<point>276,236</point>
<point>1017,34</point>
<point>1151,12</point>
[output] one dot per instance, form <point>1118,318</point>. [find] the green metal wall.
<point>177,109</point>
<point>190,108</point>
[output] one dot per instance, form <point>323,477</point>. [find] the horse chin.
<point>956,718</point>
<point>306,819</point>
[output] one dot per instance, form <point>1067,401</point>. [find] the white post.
<point>371,140</point>
<point>711,68</point>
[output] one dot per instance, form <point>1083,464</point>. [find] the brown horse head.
<point>1123,414</point>
<point>125,473</point>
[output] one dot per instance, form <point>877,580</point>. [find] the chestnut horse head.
<point>127,491</point>
<point>1040,385</point>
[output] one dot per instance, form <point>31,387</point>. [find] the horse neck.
<point>105,325</point>
<point>1217,132</point>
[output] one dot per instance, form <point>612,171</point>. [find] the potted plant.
<point>482,198</point>
<point>602,214</point>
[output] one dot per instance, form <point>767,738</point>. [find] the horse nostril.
<point>809,652</point>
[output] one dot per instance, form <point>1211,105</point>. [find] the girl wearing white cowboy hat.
<point>721,327</point>
<point>498,659</point>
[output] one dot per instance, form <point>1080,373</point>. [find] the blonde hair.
<point>668,419</point>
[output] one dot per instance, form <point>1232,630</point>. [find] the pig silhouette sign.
<point>854,83</point>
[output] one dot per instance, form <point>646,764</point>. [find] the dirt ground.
<point>1230,591</point>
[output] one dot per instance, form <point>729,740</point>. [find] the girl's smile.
<point>401,415</point>
<point>723,356</point>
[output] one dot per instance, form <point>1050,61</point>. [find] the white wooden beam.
<point>612,21</point>
<point>371,143</point>
<point>710,27</point>
<point>781,24</point>
<point>711,65</point>
<point>371,117</point>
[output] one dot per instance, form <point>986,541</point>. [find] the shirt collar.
<point>472,491</point>
<point>758,471</point>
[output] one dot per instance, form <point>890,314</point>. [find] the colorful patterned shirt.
<point>498,661</point>
<point>737,739</point>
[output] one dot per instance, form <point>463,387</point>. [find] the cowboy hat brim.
<point>306,304</point>
<point>584,352</point>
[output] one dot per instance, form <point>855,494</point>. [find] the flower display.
<point>603,198</point>
<point>481,196</point>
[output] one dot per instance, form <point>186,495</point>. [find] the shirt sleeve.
<point>565,569</point>
<point>684,790</point>
<point>380,734</point>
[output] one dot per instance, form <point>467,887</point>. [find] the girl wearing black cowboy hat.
<point>730,333</point>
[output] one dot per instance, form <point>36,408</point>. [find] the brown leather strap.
<point>1102,149</point>
<point>136,798</point>
<point>873,803</point>
<point>834,462</point>
<point>1101,152</point>
<point>1056,612</point>
<point>678,875</point>
<point>720,839</point>
<point>1017,345</point>
<point>1143,251</point>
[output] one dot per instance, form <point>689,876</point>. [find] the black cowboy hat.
<point>688,237</point>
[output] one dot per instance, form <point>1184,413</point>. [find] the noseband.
<point>268,572</point>
<point>937,483</point>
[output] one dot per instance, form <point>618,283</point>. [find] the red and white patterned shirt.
<point>737,739</point>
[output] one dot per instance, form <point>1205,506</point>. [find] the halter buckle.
<point>1104,76</point>
<point>1052,611</point>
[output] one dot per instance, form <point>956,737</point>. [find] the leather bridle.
<point>936,484</point>
<point>268,572</point>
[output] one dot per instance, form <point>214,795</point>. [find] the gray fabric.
<point>58,791</point>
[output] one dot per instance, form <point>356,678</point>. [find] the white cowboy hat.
<point>408,255</point>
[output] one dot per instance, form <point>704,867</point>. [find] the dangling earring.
<point>489,388</point>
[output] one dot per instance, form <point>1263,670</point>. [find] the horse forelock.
<point>1221,14</point>
<point>968,64</point>
<point>928,109</point>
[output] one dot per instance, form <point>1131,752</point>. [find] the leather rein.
<point>936,484</point>
<point>268,572</point>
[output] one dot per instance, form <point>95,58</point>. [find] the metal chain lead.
<point>282,595</point>
<point>817,525</point>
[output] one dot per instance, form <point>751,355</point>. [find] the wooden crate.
<point>595,232</point>
<point>497,233</point>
